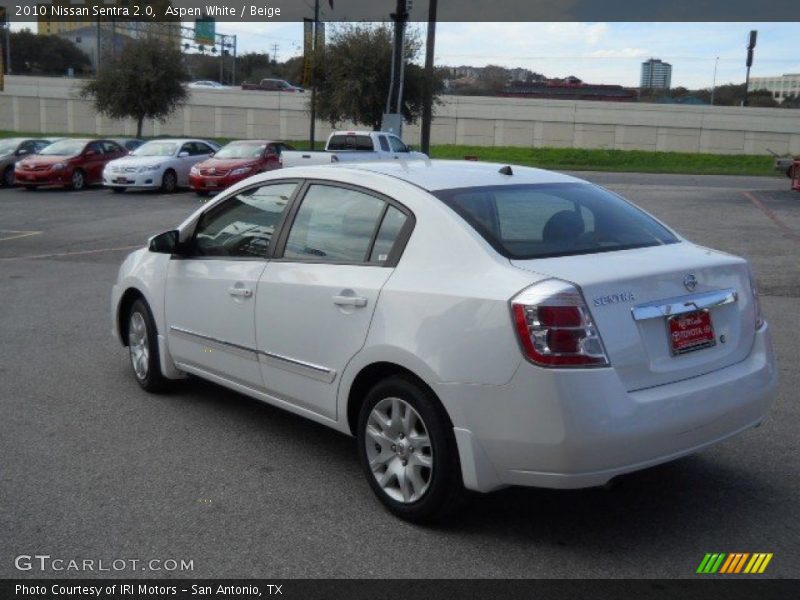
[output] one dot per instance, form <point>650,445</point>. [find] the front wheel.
<point>408,450</point>
<point>8,176</point>
<point>169,182</point>
<point>77,181</point>
<point>143,347</point>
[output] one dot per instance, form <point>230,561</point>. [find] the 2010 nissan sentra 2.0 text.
<point>473,326</point>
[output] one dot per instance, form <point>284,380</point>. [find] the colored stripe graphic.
<point>734,563</point>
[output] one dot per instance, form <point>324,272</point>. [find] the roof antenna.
<point>506,170</point>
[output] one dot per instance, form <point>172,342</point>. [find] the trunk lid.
<point>632,293</point>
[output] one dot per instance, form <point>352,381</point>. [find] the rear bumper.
<point>581,428</point>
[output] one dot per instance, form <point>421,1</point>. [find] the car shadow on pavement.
<point>658,505</point>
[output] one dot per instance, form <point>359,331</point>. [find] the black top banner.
<point>380,10</point>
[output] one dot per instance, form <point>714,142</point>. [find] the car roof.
<point>433,175</point>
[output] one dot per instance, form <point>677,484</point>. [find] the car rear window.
<point>558,219</point>
<point>350,142</point>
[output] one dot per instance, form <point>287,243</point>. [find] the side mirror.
<point>183,154</point>
<point>409,148</point>
<point>210,154</point>
<point>22,152</point>
<point>90,153</point>
<point>165,243</point>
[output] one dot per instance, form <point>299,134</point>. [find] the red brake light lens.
<point>555,327</point>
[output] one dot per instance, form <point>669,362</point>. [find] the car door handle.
<point>240,291</point>
<point>357,301</point>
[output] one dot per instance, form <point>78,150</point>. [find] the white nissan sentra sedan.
<point>158,164</point>
<point>473,326</point>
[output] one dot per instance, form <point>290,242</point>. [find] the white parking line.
<point>61,254</point>
<point>15,234</point>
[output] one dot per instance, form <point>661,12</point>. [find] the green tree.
<point>45,54</point>
<point>144,82</point>
<point>494,79</point>
<point>353,75</point>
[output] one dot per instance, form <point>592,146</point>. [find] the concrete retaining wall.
<point>52,105</point>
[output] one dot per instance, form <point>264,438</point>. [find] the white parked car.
<point>163,164</point>
<point>473,326</point>
<point>207,84</point>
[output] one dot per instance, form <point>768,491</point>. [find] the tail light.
<point>555,327</point>
<point>756,302</point>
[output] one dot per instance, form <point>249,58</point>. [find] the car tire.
<point>418,484</point>
<point>118,190</point>
<point>169,181</point>
<point>78,181</point>
<point>8,177</point>
<point>143,348</point>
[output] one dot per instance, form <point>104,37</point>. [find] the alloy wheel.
<point>137,344</point>
<point>399,450</point>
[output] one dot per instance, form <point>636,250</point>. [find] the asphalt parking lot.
<point>93,467</point>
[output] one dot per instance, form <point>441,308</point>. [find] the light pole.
<point>714,81</point>
<point>312,126</point>
<point>427,99</point>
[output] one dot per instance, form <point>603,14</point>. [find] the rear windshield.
<point>558,219</point>
<point>350,142</point>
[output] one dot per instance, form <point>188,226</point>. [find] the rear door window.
<point>388,234</point>
<point>541,220</point>
<point>334,224</point>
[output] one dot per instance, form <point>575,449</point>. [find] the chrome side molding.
<point>286,363</point>
<point>683,304</point>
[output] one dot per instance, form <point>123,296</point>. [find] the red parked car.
<point>71,163</point>
<point>233,162</point>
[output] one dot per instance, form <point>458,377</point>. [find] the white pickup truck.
<point>353,146</point>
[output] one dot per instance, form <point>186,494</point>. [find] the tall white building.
<point>656,74</point>
<point>781,86</point>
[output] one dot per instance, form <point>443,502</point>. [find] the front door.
<point>317,297</point>
<point>212,292</point>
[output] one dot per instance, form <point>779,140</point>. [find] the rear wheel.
<point>78,180</point>
<point>8,176</point>
<point>169,181</point>
<point>408,450</point>
<point>143,347</point>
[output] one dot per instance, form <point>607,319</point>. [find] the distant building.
<point>85,38</point>
<point>656,74</point>
<point>780,86</point>
<point>46,25</point>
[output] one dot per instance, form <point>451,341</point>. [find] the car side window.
<point>200,148</point>
<point>242,226</point>
<point>335,225</point>
<point>390,229</point>
<point>397,145</point>
<point>95,147</point>
<point>187,147</point>
<point>111,147</point>
<point>384,143</point>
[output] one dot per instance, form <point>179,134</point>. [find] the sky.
<point>608,53</point>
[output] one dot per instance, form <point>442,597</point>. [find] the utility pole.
<point>275,53</point>
<point>750,47</point>
<point>312,132</point>
<point>393,119</point>
<point>427,94</point>
<point>714,81</point>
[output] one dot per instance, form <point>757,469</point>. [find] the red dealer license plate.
<point>691,331</point>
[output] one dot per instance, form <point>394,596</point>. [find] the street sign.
<point>205,31</point>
